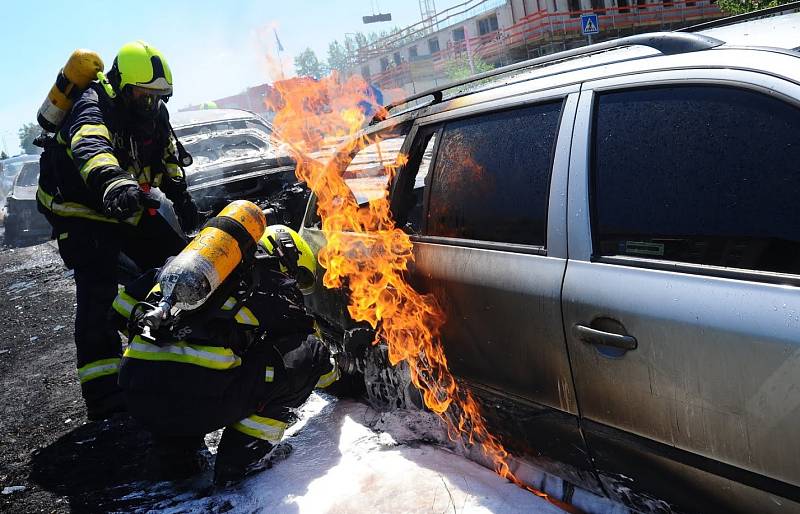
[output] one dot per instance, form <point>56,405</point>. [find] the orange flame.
<point>369,255</point>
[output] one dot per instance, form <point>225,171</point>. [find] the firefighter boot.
<point>104,407</point>
<point>176,458</point>
<point>239,455</point>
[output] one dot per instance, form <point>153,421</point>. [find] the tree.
<point>306,64</point>
<point>3,155</point>
<point>27,133</point>
<point>337,57</point>
<point>744,6</point>
<point>461,68</point>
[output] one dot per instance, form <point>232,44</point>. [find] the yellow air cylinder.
<point>81,69</point>
<point>195,273</point>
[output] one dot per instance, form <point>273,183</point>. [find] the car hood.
<point>24,193</point>
<point>227,171</point>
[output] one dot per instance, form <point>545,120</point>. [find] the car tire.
<point>11,234</point>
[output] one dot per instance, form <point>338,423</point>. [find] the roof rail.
<point>667,43</point>
<point>730,20</point>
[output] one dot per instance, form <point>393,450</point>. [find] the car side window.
<point>697,174</point>
<point>371,169</point>
<point>491,176</point>
<point>368,173</point>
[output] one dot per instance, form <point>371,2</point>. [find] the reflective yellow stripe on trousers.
<point>213,357</point>
<point>124,303</point>
<point>328,378</point>
<point>260,427</point>
<point>98,369</point>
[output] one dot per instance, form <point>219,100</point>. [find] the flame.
<point>369,255</point>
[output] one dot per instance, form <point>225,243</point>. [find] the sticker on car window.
<point>644,248</point>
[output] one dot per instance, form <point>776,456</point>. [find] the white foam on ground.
<point>340,465</point>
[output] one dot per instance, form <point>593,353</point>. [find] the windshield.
<point>11,169</point>
<point>29,176</point>
<point>213,143</point>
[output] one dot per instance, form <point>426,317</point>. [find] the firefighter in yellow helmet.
<point>241,360</point>
<point>95,184</point>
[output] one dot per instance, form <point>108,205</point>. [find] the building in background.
<point>480,34</point>
<point>252,99</point>
<point>477,33</point>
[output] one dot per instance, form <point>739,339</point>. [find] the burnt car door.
<point>484,197</point>
<point>681,299</point>
<point>367,174</point>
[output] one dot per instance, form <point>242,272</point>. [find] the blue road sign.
<point>589,24</point>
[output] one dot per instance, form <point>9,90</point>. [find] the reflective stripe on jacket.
<point>213,357</point>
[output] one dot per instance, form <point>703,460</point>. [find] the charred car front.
<point>236,155</point>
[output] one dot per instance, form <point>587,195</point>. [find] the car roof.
<point>200,117</point>
<point>775,32</point>
<point>781,31</point>
<point>21,158</point>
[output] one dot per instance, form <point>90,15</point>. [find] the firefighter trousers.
<point>92,250</point>
<point>256,399</point>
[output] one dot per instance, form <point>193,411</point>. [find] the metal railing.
<point>541,33</point>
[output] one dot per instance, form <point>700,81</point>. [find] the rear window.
<point>29,175</point>
<point>697,174</point>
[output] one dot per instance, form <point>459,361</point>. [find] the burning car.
<point>24,224</point>
<point>606,248</point>
<point>237,155</point>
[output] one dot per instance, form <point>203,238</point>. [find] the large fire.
<point>369,255</point>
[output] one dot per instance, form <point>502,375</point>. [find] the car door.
<point>367,174</point>
<point>484,196</point>
<point>681,300</point>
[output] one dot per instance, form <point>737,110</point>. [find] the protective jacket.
<point>225,363</point>
<point>100,147</point>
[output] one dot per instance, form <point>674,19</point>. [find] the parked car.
<point>9,170</point>
<point>613,234</point>
<point>24,224</point>
<point>237,155</point>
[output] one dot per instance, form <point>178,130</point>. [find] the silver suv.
<point>614,234</point>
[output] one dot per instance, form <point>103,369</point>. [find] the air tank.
<point>195,273</point>
<point>81,69</point>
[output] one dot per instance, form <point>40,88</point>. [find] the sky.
<point>214,48</point>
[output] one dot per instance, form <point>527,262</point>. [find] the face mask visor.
<point>144,101</point>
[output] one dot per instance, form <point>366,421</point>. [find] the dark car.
<point>612,235</point>
<point>236,155</point>
<point>24,224</point>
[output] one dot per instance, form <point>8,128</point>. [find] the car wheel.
<point>389,387</point>
<point>11,235</point>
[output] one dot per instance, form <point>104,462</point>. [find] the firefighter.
<point>96,174</point>
<point>242,360</point>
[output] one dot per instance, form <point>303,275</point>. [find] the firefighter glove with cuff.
<point>123,201</point>
<point>186,210</point>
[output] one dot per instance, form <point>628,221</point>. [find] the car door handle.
<point>593,336</point>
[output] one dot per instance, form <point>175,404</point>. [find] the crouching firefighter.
<point>107,151</point>
<point>219,338</point>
